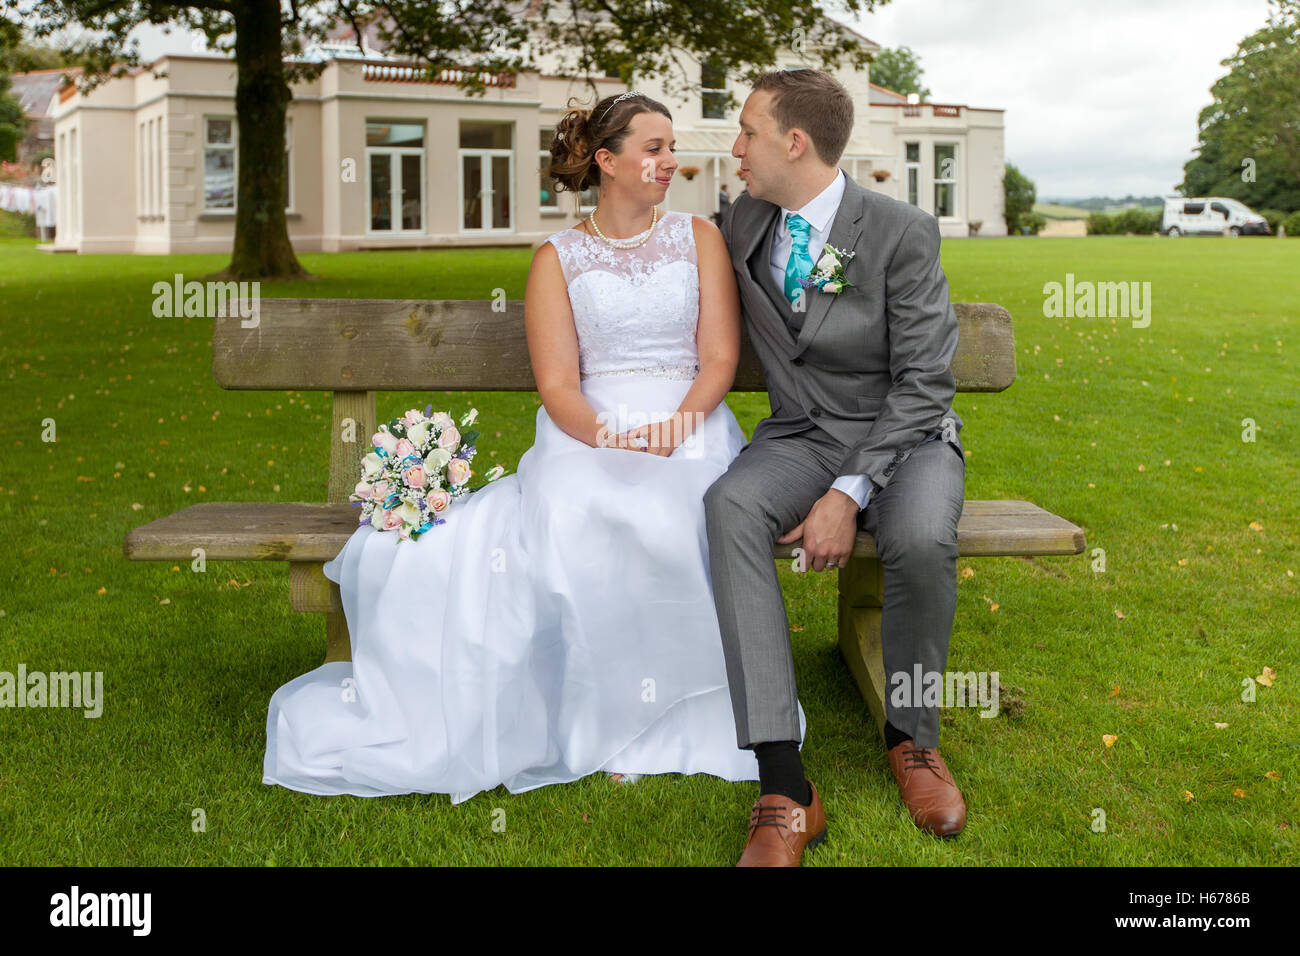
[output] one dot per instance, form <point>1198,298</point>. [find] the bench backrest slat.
<point>357,347</point>
<point>413,345</point>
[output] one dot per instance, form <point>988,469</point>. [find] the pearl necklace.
<point>654,218</point>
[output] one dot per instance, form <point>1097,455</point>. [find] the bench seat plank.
<point>317,531</point>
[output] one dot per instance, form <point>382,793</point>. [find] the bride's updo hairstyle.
<point>581,133</point>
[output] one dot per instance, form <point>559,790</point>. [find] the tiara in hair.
<point>620,98</point>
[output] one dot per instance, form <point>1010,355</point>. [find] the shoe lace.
<point>767,815</point>
<point>920,758</point>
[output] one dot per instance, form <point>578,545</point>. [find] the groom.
<point>862,434</point>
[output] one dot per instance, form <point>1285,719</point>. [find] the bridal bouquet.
<point>419,466</point>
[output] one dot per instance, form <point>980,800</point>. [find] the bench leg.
<point>310,591</point>
<point>861,596</point>
<point>338,646</point>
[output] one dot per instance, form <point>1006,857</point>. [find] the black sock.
<point>780,770</point>
<point>893,736</point>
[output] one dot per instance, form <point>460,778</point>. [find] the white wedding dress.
<point>562,621</point>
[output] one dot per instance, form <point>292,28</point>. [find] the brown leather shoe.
<point>928,789</point>
<point>780,829</point>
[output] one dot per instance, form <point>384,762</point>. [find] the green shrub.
<point>1275,218</point>
<point>17,225</point>
<point>1100,224</point>
<point>1140,222</point>
<point>1292,224</point>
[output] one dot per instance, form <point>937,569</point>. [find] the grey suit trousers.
<point>769,488</point>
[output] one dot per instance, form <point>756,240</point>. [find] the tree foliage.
<point>13,123</point>
<point>1020,193</point>
<point>898,70</point>
<point>1250,133</point>
<point>665,39</point>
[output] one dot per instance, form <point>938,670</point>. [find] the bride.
<point>561,622</point>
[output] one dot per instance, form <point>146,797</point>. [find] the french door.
<point>487,199</point>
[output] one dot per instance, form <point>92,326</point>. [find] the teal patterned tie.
<point>800,264</point>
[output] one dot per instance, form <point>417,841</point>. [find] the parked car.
<point>1211,216</point>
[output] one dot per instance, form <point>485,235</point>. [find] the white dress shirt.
<point>820,212</point>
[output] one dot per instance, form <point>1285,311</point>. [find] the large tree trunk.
<point>262,247</point>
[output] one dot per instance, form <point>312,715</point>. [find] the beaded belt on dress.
<point>681,372</point>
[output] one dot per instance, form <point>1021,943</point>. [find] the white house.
<point>382,156</point>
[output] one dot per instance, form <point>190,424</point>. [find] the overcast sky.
<point>1101,96</point>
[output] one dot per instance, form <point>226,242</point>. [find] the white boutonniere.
<point>828,275</point>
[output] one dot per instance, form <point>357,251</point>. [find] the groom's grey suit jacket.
<point>871,364</point>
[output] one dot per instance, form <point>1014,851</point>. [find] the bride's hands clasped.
<point>658,438</point>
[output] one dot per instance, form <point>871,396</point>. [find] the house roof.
<point>867,41</point>
<point>880,94</point>
<point>34,90</point>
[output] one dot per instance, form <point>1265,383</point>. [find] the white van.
<point>1211,216</point>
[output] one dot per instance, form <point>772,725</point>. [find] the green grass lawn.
<point>1134,434</point>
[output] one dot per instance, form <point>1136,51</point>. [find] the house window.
<point>487,173</point>
<point>142,199</point>
<point>66,158</point>
<point>395,171</point>
<point>219,162</point>
<point>74,184</point>
<point>159,168</point>
<point>945,179</point>
<point>150,201</point>
<point>288,164</point>
<point>713,90</point>
<point>549,198</point>
<point>913,167</point>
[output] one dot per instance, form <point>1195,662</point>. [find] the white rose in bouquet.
<point>437,459</point>
<point>418,434</point>
<point>372,466</point>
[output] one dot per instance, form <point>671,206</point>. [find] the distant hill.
<point>1051,210</point>
<point>1106,203</point>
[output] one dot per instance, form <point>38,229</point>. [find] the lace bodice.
<point>635,310</point>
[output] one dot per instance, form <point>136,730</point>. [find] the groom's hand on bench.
<point>828,532</point>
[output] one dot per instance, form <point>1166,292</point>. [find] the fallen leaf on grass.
<point>1189,796</point>
<point>1109,739</point>
<point>1273,775</point>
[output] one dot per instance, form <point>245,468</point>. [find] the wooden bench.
<point>355,348</point>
